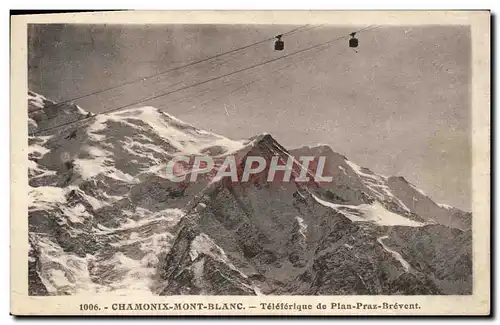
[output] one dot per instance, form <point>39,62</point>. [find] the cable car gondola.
<point>353,42</point>
<point>279,45</point>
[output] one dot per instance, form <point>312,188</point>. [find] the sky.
<point>399,104</point>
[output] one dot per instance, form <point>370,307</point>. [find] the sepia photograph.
<point>297,160</point>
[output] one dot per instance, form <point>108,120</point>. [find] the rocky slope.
<point>103,217</point>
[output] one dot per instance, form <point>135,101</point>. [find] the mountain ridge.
<point>103,213</point>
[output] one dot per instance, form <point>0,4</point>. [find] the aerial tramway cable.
<point>247,84</point>
<point>175,68</point>
<point>259,79</point>
<point>205,91</point>
<point>155,96</point>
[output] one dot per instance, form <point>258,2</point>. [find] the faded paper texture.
<point>381,117</point>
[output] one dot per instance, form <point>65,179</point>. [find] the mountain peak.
<point>321,150</point>
<point>45,115</point>
<point>149,113</point>
<point>264,136</point>
<point>100,195</point>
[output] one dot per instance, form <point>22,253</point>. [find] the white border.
<point>254,5</point>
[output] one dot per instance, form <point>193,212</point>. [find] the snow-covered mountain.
<point>352,183</point>
<point>103,217</point>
